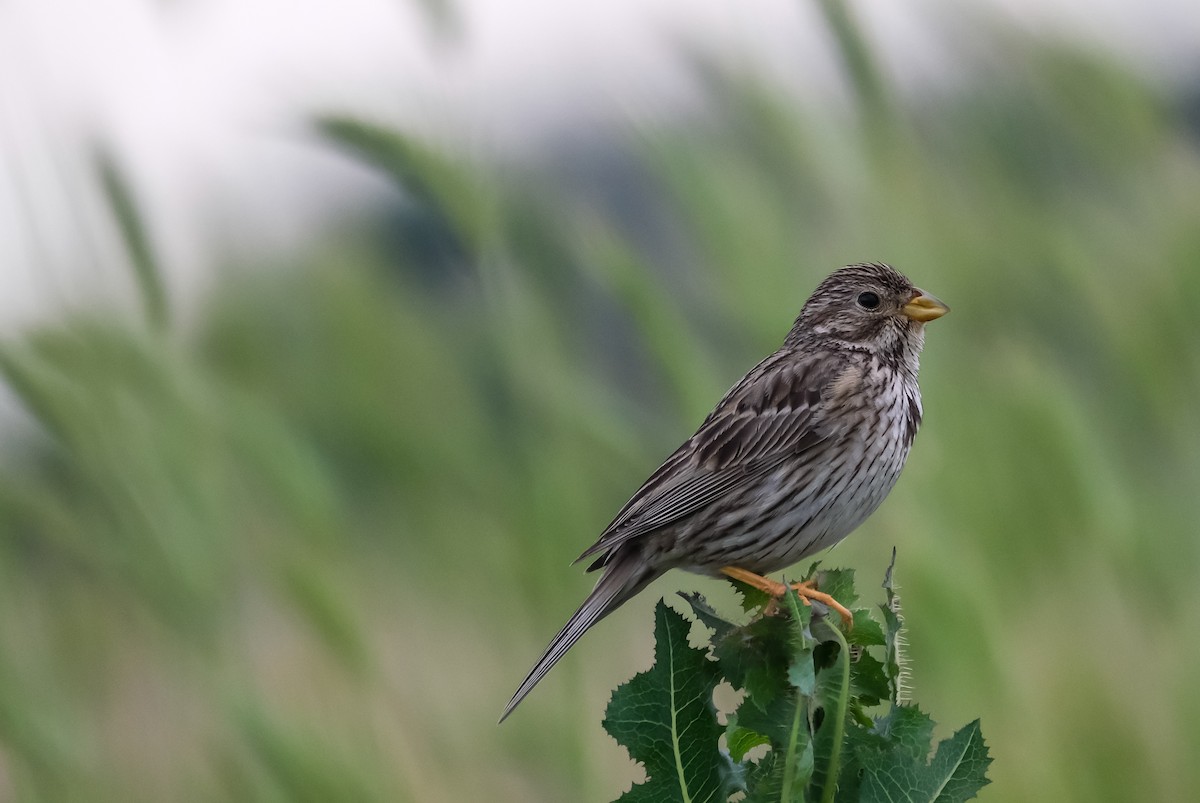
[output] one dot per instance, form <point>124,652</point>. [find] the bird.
<point>799,452</point>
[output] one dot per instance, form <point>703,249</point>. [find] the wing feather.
<point>772,414</point>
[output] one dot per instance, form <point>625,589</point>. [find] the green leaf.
<point>784,774</point>
<point>720,626</point>
<point>787,777</point>
<point>868,680</point>
<point>957,772</point>
<point>666,720</point>
<point>833,697</point>
<point>960,765</point>
<point>908,728</point>
<point>798,754</point>
<point>867,632</point>
<point>742,740</point>
<point>756,658</point>
<point>811,695</point>
<point>801,672</point>
<point>752,598</point>
<point>839,584</point>
<point>773,721</point>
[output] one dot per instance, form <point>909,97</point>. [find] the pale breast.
<point>816,500</point>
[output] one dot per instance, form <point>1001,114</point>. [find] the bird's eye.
<point>868,300</point>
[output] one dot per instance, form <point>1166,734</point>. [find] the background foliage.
<point>304,548</point>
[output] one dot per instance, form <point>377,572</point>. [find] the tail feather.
<point>621,580</point>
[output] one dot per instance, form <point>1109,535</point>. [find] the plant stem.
<point>800,715</point>
<point>789,767</point>
<point>839,723</point>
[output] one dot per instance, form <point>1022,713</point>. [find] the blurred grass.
<point>305,551</point>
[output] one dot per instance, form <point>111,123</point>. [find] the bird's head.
<point>869,307</point>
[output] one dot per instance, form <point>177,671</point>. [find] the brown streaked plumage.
<point>795,456</point>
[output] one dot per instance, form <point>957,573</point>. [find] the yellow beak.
<point>924,307</point>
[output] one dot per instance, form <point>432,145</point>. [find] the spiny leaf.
<point>868,680</point>
<point>785,773</point>
<point>798,751</point>
<point>785,718</point>
<point>708,616</point>
<point>809,691</point>
<point>957,772</point>
<point>839,584</point>
<point>867,632</point>
<point>665,719</point>
<point>752,598</point>
<point>756,657</point>
<point>908,728</point>
<point>905,729</point>
<point>893,623</point>
<point>773,783</point>
<point>801,672</point>
<point>960,765</point>
<point>833,696</point>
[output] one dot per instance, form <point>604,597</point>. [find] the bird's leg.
<point>763,584</point>
<point>807,591</point>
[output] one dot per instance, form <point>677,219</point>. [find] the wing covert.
<point>773,413</point>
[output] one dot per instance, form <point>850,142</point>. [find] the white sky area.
<point>205,102</point>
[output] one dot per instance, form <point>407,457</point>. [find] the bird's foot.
<point>807,590</point>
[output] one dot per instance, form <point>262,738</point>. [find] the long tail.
<point>623,577</point>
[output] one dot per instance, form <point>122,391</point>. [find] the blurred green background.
<point>303,545</point>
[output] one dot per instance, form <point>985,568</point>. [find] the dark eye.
<point>868,300</point>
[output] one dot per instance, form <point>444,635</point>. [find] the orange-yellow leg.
<point>807,591</point>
